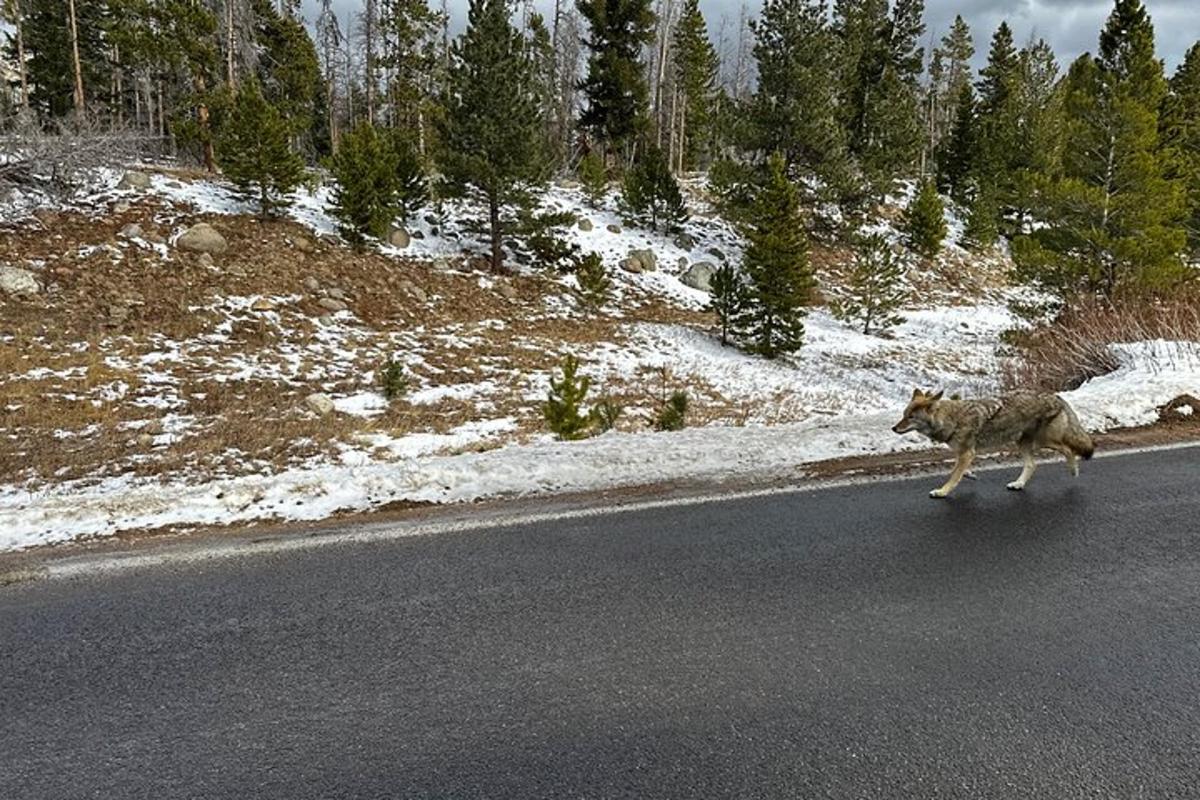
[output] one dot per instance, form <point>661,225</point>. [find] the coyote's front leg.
<point>961,465</point>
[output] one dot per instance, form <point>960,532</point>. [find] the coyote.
<point>1029,421</point>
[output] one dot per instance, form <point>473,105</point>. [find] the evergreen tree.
<point>794,108</point>
<point>1181,137</point>
<point>880,63</point>
<point>594,178</point>
<point>696,65</point>
<point>874,291</point>
<point>672,412</point>
<point>412,184</point>
<point>254,151</point>
<point>594,283</point>
<point>290,74</point>
<point>545,65</point>
<point>779,276</point>
<point>408,33</point>
<point>998,118</point>
<point>650,195</point>
<point>615,87</point>
<point>728,299</point>
<point>949,71</point>
<point>956,164</point>
<point>981,231</point>
<point>1038,154</point>
<point>366,197</point>
<point>1113,220</point>
<point>563,407</point>
<point>47,45</point>
<point>493,130</point>
<point>925,222</point>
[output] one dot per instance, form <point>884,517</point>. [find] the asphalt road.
<point>858,642</point>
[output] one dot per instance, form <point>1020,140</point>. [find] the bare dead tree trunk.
<point>18,23</point>
<point>80,101</point>
<point>369,35</point>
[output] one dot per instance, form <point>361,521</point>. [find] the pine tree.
<point>1181,137</point>
<point>594,178</point>
<point>1113,221</point>
<point>594,283</point>
<point>981,231</point>
<point>794,108</point>
<point>880,62</point>
<point>998,118</point>
<point>779,276</point>
<point>408,33</point>
<point>1038,154</point>
<point>492,131</point>
<point>290,74</point>
<point>48,46</point>
<point>366,197</point>
<point>696,65</point>
<point>728,299</point>
<point>925,222</point>
<point>874,291</point>
<point>254,151</point>
<point>562,409</point>
<point>615,87</point>
<point>650,195</point>
<point>956,163</point>
<point>672,412</point>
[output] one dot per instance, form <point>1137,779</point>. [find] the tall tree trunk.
<point>18,23</point>
<point>497,238</point>
<point>369,35</point>
<point>202,118</point>
<point>80,101</point>
<point>230,76</point>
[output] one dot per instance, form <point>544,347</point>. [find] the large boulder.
<point>640,261</point>
<point>398,237</point>
<point>18,282</point>
<point>318,403</point>
<point>699,276</point>
<point>134,180</point>
<point>685,241</point>
<point>202,238</point>
<point>584,224</point>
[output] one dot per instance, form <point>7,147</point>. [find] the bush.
<point>650,195</point>
<point>562,406</point>
<point>672,415</point>
<point>594,178</point>
<point>594,283</point>
<point>605,414</point>
<point>925,221</point>
<point>1076,346</point>
<point>393,379</point>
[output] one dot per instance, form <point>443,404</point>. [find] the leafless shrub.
<point>1075,347</point>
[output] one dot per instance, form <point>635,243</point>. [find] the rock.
<point>645,258</point>
<point>336,294</point>
<point>137,181</point>
<point>145,441</point>
<point>718,254</point>
<point>613,228</point>
<point>631,265</point>
<point>418,235</point>
<point>699,276</point>
<point>443,264</point>
<point>682,262</point>
<point>312,284</point>
<point>18,282</point>
<point>398,237</point>
<point>262,304</point>
<point>132,231</point>
<point>413,291</point>
<point>303,244</point>
<point>507,290</point>
<point>121,207</point>
<point>206,260</point>
<point>320,403</point>
<point>117,313</point>
<point>685,241</point>
<point>202,238</point>
<point>584,224</point>
<point>329,304</point>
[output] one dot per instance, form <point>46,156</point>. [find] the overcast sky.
<point>1071,26</point>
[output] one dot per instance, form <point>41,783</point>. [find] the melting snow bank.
<point>1152,374</point>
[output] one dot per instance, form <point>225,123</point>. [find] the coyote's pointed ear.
<point>933,398</point>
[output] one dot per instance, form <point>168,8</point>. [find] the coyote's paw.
<point>1016,486</point>
<point>939,493</point>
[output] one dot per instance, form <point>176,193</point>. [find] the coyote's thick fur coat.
<point>1026,422</point>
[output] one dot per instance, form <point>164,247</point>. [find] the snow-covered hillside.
<point>148,386</point>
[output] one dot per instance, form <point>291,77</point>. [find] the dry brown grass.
<point>1075,347</point>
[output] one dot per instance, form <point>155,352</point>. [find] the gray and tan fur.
<point>1026,422</point>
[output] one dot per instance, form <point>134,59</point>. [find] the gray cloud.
<point>1070,26</point>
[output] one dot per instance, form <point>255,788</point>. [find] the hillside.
<point>146,384</point>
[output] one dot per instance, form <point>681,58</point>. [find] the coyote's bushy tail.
<point>1076,437</point>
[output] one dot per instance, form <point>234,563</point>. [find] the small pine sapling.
<point>925,221</point>
<point>594,283</point>
<point>672,414</point>
<point>594,178</point>
<point>728,292</point>
<point>605,413</point>
<point>393,379</point>
<point>562,406</point>
<point>874,290</point>
<point>650,195</point>
<point>543,236</point>
<point>255,152</point>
